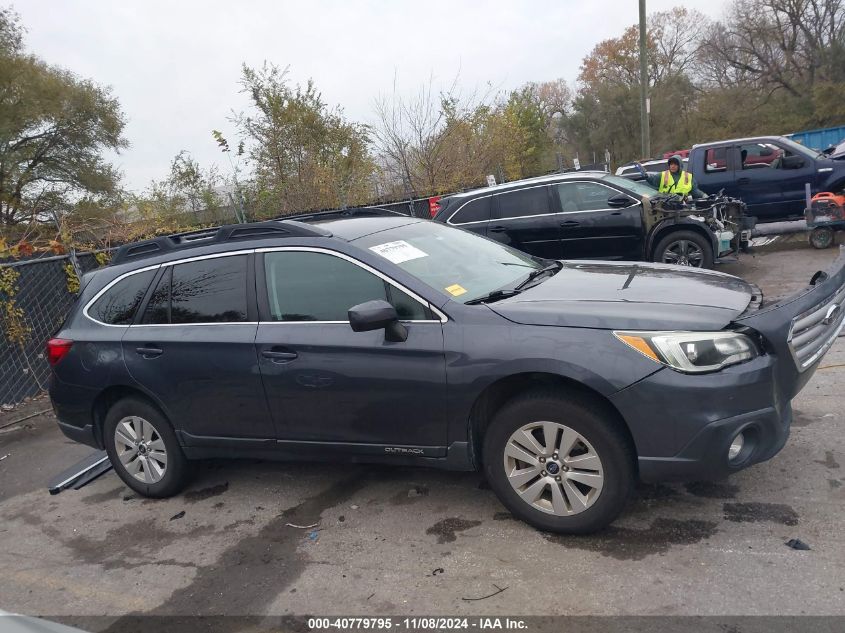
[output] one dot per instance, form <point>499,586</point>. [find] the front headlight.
<point>692,352</point>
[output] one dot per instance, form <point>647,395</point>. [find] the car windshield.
<point>641,188</point>
<point>460,264</point>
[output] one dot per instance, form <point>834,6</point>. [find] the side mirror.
<point>619,201</point>
<point>377,315</point>
<point>792,162</point>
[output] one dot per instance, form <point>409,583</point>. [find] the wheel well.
<point>497,394</point>
<point>106,399</point>
<point>672,228</point>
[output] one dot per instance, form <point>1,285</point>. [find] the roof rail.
<point>205,237</point>
<point>355,212</point>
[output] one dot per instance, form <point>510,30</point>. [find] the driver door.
<point>326,383</point>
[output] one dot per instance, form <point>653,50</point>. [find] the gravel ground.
<point>416,541</point>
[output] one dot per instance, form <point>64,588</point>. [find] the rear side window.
<point>119,303</point>
<point>306,286</point>
<point>209,291</point>
<point>477,210</point>
<point>521,203</point>
<point>715,159</point>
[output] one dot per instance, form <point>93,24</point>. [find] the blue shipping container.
<point>819,139</point>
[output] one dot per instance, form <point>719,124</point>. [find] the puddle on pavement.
<point>445,530</point>
<point>624,543</point>
<point>757,512</point>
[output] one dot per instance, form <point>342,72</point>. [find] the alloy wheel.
<point>141,449</point>
<point>553,468</point>
<point>684,253</point>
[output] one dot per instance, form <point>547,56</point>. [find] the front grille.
<point>813,332</point>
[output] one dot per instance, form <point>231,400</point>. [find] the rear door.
<point>714,170</point>
<point>193,348</point>
<point>525,219</point>
<point>590,228</point>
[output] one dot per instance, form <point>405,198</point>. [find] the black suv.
<point>394,339</point>
<point>589,215</point>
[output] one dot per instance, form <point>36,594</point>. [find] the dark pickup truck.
<point>768,173</point>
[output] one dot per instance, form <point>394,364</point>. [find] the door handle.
<point>569,223</point>
<point>149,351</point>
<point>743,181</point>
<point>498,229</point>
<point>279,356</point>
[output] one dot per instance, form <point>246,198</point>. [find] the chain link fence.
<point>44,291</point>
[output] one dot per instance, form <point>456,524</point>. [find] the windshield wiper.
<point>492,296</point>
<point>551,268</point>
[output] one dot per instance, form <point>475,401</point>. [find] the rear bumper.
<point>83,435</point>
<point>73,406</point>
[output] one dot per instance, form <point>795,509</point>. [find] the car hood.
<point>630,295</point>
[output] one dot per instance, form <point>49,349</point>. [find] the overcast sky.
<point>174,65</point>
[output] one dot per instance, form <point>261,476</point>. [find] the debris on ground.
<point>7,407</point>
<point>495,593</point>
<point>354,507</point>
<point>178,515</point>
<point>4,456</point>
<point>302,527</point>
<point>439,570</point>
<point>797,543</point>
<point>312,536</point>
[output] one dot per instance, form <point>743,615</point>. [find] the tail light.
<point>434,205</point>
<point>57,349</point>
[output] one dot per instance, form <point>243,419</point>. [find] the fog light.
<point>736,447</point>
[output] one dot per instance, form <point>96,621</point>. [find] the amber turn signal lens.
<point>639,344</point>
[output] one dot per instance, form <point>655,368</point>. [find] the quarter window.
<point>477,210</point>
<point>523,202</point>
<point>307,286</point>
<point>209,291</point>
<point>119,303</point>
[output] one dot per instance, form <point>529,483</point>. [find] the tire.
<point>682,247</point>
<point>821,237</point>
<point>598,438</point>
<point>157,467</point>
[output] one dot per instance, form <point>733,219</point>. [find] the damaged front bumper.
<point>683,425</point>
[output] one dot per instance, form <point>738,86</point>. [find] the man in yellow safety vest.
<point>675,180</point>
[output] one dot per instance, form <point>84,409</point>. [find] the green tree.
<point>54,130</point>
<point>304,154</point>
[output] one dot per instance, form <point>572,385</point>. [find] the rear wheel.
<point>684,248</point>
<point>558,463</point>
<point>143,449</point>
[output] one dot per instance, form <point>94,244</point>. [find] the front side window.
<point>523,202</point>
<point>209,291</point>
<point>309,286</point>
<point>584,196</point>
<point>761,155</point>
<point>117,306</point>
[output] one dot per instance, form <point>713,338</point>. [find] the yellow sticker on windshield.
<point>455,290</point>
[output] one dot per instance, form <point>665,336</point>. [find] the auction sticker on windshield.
<point>398,251</point>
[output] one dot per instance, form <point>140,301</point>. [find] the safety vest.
<point>683,187</point>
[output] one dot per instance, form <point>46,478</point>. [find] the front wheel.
<point>684,248</point>
<point>558,463</point>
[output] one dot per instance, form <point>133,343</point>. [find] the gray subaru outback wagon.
<point>380,338</point>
